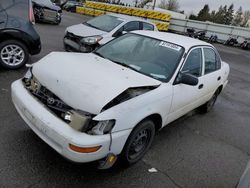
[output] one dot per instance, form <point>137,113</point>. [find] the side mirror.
<point>188,79</point>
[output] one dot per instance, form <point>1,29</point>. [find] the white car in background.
<point>99,105</point>
<point>86,37</point>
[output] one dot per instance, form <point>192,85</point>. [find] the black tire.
<point>58,21</point>
<point>18,44</point>
<point>145,132</point>
<point>207,107</point>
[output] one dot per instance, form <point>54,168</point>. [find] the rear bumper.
<point>58,134</point>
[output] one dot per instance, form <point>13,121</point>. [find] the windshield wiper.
<point>97,53</point>
<point>125,65</point>
<point>90,25</point>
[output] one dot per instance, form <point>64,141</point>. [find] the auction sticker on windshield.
<point>169,45</point>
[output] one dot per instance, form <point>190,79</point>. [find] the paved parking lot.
<point>198,150</point>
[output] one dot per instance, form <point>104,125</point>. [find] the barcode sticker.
<point>169,45</point>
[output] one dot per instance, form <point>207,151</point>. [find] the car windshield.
<point>105,23</point>
<point>149,56</point>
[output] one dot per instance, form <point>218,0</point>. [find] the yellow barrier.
<point>129,11</point>
<point>162,26</point>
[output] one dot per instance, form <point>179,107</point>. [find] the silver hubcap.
<point>12,55</point>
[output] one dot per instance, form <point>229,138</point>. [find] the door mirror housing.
<point>185,78</point>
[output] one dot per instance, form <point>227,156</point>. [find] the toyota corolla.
<point>109,103</point>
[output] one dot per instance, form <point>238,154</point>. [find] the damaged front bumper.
<point>58,134</point>
<point>73,44</point>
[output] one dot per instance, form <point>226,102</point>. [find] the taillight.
<point>31,13</point>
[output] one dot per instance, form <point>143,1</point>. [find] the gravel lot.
<point>197,150</point>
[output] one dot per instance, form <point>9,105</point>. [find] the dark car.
<point>71,6</point>
<point>46,11</point>
<point>245,44</point>
<point>18,38</point>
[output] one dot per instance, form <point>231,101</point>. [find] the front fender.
<point>129,113</point>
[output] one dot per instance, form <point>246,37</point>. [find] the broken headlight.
<point>78,120</point>
<point>28,76</point>
<point>103,127</point>
<point>91,40</point>
<point>82,121</point>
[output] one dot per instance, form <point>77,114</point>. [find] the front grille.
<point>50,13</point>
<point>49,99</point>
<point>73,37</point>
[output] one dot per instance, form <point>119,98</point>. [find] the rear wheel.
<point>210,104</point>
<point>13,54</point>
<point>138,142</point>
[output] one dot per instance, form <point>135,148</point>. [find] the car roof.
<point>130,18</point>
<point>184,41</point>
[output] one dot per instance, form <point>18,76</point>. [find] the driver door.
<point>186,97</point>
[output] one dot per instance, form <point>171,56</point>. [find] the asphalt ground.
<point>198,150</point>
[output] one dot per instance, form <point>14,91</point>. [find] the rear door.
<point>212,77</point>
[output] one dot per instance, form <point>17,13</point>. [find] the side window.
<point>131,26</point>
<point>147,26</point>
<point>212,62</point>
<point>193,64</point>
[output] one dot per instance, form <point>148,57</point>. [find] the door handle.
<point>200,86</point>
<point>1,22</point>
<point>219,78</point>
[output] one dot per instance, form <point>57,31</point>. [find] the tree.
<point>169,5</point>
<point>212,16</point>
<point>204,15</point>
<point>238,17</point>
<point>142,3</point>
<point>192,17</point>
<point>228,17</point>
<point>219,16</point>
<point>245,19</point>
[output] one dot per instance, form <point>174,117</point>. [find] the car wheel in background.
<point>138,143</point>
<point>13,54</point>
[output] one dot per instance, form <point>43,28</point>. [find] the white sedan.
<point>110,102</point>
<point>87,36</point>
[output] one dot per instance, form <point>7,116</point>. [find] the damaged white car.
<point>109,103</point>
<point>88,36</point>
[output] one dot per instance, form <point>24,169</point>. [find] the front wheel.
<point>13,54</point>
<point>138,142</point>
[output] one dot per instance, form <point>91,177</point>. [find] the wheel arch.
<point>13,35</point>
<point>219,89</point>
<point>156,118</point>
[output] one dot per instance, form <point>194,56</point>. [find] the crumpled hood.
<point>84,30</point>
<point>86,81</point>
<point>49,5</point>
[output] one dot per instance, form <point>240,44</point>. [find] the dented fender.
<point>157,101</point>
